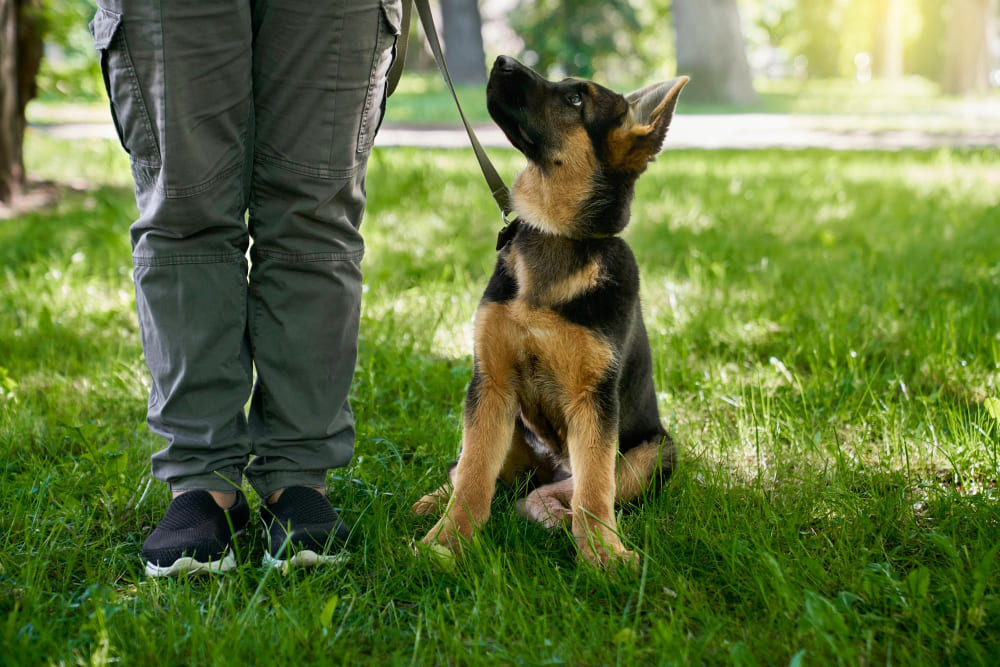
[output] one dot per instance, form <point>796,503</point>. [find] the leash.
<point>497,187</point>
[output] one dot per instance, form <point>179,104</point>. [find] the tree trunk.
<point>889,39</point>
<point>967,62</point>
<point>711,50</point>
<point>463,41</point>
<point>20,57</point>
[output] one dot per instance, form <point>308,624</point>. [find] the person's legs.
<point>179,79</point>
<point>319,81</point>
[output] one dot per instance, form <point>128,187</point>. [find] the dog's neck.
<point>550,269</point>
<point>573,201</point>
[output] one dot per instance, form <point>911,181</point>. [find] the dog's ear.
<point>651,109</point>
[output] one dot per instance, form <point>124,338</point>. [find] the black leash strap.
<point>497,187</point>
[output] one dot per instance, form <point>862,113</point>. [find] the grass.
<point>826,333</point>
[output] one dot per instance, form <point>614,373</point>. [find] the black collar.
<point>509,231</point>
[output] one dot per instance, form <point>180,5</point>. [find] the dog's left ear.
<point>651,109</point>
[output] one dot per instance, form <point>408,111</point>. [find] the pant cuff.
<point>268,483</point>
<point>218,480</point>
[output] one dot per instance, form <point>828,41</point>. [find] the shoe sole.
<point>305,558</point>
<point>188,565</point>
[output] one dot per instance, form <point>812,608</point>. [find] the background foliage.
<point>572,35</point>
<point>611,37</point>
<point>616,40</point>
<point>70,70</point>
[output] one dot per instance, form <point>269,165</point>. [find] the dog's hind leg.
<point>549,505</point>
<point>644,467</point>
<point>640,470</point>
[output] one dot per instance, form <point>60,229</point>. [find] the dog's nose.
<point>505,64</point>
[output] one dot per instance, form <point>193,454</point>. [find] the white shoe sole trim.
<point>305,558</point>
<point>188,565</point>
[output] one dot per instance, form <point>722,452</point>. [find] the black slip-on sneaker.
<point>302,529</point>
<point>195,535</point>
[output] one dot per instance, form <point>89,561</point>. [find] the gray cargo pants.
<point>225,107</point>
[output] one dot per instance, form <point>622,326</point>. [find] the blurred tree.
<point>888,38</point>
<point>463,40</point>
<point>925,53</point>
<point>967,62</point>
<point>711,49</point>
<point>20,57</point>
<point>571,36</point>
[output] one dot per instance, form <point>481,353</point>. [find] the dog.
<point>561,403</point>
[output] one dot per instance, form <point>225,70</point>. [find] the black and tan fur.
<point>562,393</point>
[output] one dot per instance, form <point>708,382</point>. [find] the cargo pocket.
<point>391,16</point>
<point>128,108</point>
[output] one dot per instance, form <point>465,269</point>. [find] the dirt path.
<point>756,131</point>
<point>707,131</point>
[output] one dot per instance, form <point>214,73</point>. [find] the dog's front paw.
<point>438,554</point>
<point>624,558</point>
<point>602,554</point>
<point>445,535</point>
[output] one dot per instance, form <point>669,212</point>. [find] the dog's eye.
<point>575,99</point>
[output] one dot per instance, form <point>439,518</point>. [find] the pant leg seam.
<point>217,258</point>
<point>305,257</point>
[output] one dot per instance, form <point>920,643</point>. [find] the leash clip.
<point>507,232</point>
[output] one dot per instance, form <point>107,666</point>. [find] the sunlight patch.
<point>435,322</point>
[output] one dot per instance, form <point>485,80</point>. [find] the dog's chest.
<point>552,360</point>
<point>556,358</point>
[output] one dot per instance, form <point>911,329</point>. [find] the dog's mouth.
<point>512,122</point>
<point>524,135</point>
<point>507,103</point>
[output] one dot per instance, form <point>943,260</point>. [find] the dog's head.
<point>579,138</point>
<point>543,119</point>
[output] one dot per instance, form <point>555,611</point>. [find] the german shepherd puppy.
<point>561,400</point>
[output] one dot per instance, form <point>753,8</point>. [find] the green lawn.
<point>826,333</point>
